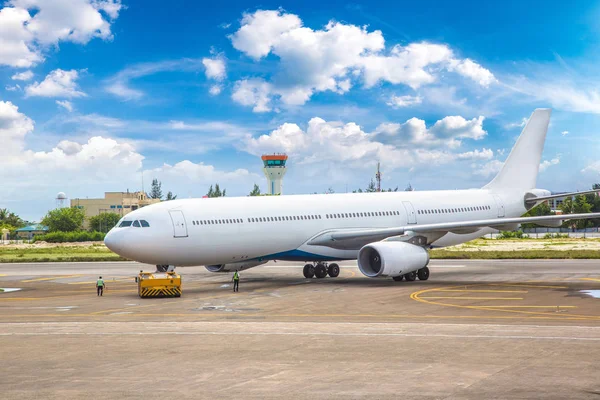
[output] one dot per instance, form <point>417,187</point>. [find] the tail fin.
<point>521,168</point>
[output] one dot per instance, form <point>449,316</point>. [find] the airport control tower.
<point>274,169</point>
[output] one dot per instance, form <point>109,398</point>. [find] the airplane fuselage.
<point>214,231</point>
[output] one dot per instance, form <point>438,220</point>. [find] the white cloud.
<point>76,21</point>
<point>565,95</point>
<point>564,133</point>
<point>119,84</point>
<point>253,92</point>
<point>27,27</point>
<point>342,146</point>
<point>470,69</point>
<point>22,76</point>
<point>67,105</point>
<point>58,83</point>
<point>215,68</point>
<point>404,101</point>
<point>335,57</point>
<point>16,41</point>
<point>592,168</point>
<point>215,90</point>
<point>448,132</point>
<point>548,163</point>
<point>519,124</point>
<point>199,173</point>
<point>488,169</point>
<point>82,167</point>
<point>12,88</point>
<point>492,167</point>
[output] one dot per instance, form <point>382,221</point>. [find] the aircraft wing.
<point>339,237</point>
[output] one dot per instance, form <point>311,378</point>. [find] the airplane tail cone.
<point>521,168</point>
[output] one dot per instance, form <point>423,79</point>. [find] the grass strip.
<point>514,254</point>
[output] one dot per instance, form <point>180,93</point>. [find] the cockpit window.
<point>144,223</point>
<point>136,224</point>
<point>125,224</point>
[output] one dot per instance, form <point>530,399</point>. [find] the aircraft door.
<point>410,212</point>
<point>500,206</point>
<point>179,225</point>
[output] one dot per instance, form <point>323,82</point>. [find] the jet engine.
<point>381,259</point>
<point>238,266</point>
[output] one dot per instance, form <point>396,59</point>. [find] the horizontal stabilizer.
<point>533,200</point>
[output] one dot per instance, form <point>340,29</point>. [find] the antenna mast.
<point>378,178</point>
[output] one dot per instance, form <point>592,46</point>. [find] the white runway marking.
<point>593,293</point>
<point>8,290</point>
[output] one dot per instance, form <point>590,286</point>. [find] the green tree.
<point>170,196</point>
<point>9,219</point>
<point>578,206</point>
<point>156,190</point>
<point>216,192</point>
<point>542,209</point>
<point>64,219</point>
<point>255,191</point>
<point>104,222</point>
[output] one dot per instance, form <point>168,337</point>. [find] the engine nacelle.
<point>238,266</point>
<point>381,259</point>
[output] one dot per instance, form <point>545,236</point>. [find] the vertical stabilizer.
<point>521,168</point>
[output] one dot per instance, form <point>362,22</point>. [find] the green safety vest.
<point>236,277</point>
<point>100,283</point>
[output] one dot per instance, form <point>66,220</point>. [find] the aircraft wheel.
<point>398,278</point>
<point>423,274</point>
<point>333,270</point>
<point>309,271</point>
<point>320,271</point>
<point>411,276</point>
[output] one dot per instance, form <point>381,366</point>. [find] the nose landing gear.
<point>321,270</point>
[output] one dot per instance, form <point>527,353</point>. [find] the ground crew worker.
<point>100,286</point>
<point>236,282</point>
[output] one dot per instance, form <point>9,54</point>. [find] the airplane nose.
<point>111,241</point>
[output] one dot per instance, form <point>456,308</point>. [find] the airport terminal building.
<point>121,203</point>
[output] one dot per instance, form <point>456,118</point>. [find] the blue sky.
<point>95,95</point>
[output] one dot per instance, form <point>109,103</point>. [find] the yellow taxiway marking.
<point>590,279</point>
<point>51,278</point>
<point>472,298</point>
<point>105,280</point>
<point>482,291</point>
<point>531,314</point>
<point>529,306</point>
<point>529,286</point>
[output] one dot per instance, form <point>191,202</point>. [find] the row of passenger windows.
<point>138,224</point>
<point>333,216</point>
<point>363,214</point>
<point>218,221</point>
<point>455,210</point>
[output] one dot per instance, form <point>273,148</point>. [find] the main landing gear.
<point>321,270</point>
<point>422,274</point>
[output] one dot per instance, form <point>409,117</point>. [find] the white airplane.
<point>388,233</point>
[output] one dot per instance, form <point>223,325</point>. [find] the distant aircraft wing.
<point>342,237</point>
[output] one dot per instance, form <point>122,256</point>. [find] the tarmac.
<point>501,329</point>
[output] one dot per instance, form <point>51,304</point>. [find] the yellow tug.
<point>158,284</point>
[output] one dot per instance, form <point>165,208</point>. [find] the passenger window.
<point>125,224</point>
